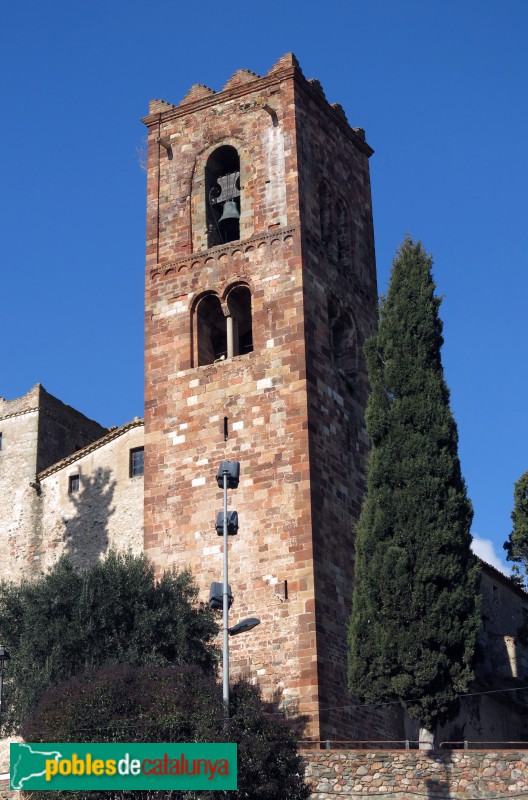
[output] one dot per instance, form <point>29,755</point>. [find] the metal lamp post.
<point>227,525</point>
<point>228,477</point>
<point>4,657</point>
<point>225,606</point>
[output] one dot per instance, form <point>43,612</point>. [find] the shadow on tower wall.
<point>86,533</point>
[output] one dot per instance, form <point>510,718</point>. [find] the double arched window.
<point>222,329</point>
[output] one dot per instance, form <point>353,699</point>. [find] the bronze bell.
<point>230,211</point>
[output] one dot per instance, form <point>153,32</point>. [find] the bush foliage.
<point>172,704</point>
<point>114,612</point>
<point>112,655</point>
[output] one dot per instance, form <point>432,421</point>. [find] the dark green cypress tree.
<point>517,544</point>
<point>415,614</point>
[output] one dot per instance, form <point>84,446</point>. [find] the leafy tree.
<point>113,655</point>
<point>415,614</point>
<point>517,544</point>
<point>172,704</point>
<point>114,612</point>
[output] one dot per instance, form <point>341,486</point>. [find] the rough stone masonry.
<point>290,407</point>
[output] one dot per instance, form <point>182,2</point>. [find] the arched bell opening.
<point>210,328</point>
<point>222,196</point>
<point>239,322</point>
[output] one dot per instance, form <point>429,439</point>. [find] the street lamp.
<point>220,595</point>
<point>244,625</point>
<point>4,657</point>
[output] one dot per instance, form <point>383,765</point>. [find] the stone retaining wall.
<point>405,775</point>
<point>409,775</point>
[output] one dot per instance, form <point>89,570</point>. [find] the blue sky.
<point>440,88</point>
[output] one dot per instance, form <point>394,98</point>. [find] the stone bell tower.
<point>260,292</point>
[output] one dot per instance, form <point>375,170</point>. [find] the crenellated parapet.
<point>243,82</point>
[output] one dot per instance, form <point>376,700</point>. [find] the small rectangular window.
<point>0,441</point>
<point>496,596</point>
<point>136,462</point>
<point>73,484</point>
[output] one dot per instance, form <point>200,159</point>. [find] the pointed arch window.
<point>222,196</point>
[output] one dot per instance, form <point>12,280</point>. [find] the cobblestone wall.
<point>461,774</point>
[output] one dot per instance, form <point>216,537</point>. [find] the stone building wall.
<point>107,510</point>
<point>504,627</point>
<point>40,518</point>
<point>62,430</point>
<point>340,307</point>
<point>492,715</point>
<point>260,394</point>
<point>464,774</point>
<point>37,430</point>
<point>493,718</point>
<point>19,420</point>
<point>496,706</point>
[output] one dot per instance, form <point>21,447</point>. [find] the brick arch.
<point>239,281</point>
<point>239,304</point>
<point>197,199</point>
<point>208,330</point>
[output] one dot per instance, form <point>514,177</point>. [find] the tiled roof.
<point>113,433</point>
<point>496,573</point>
